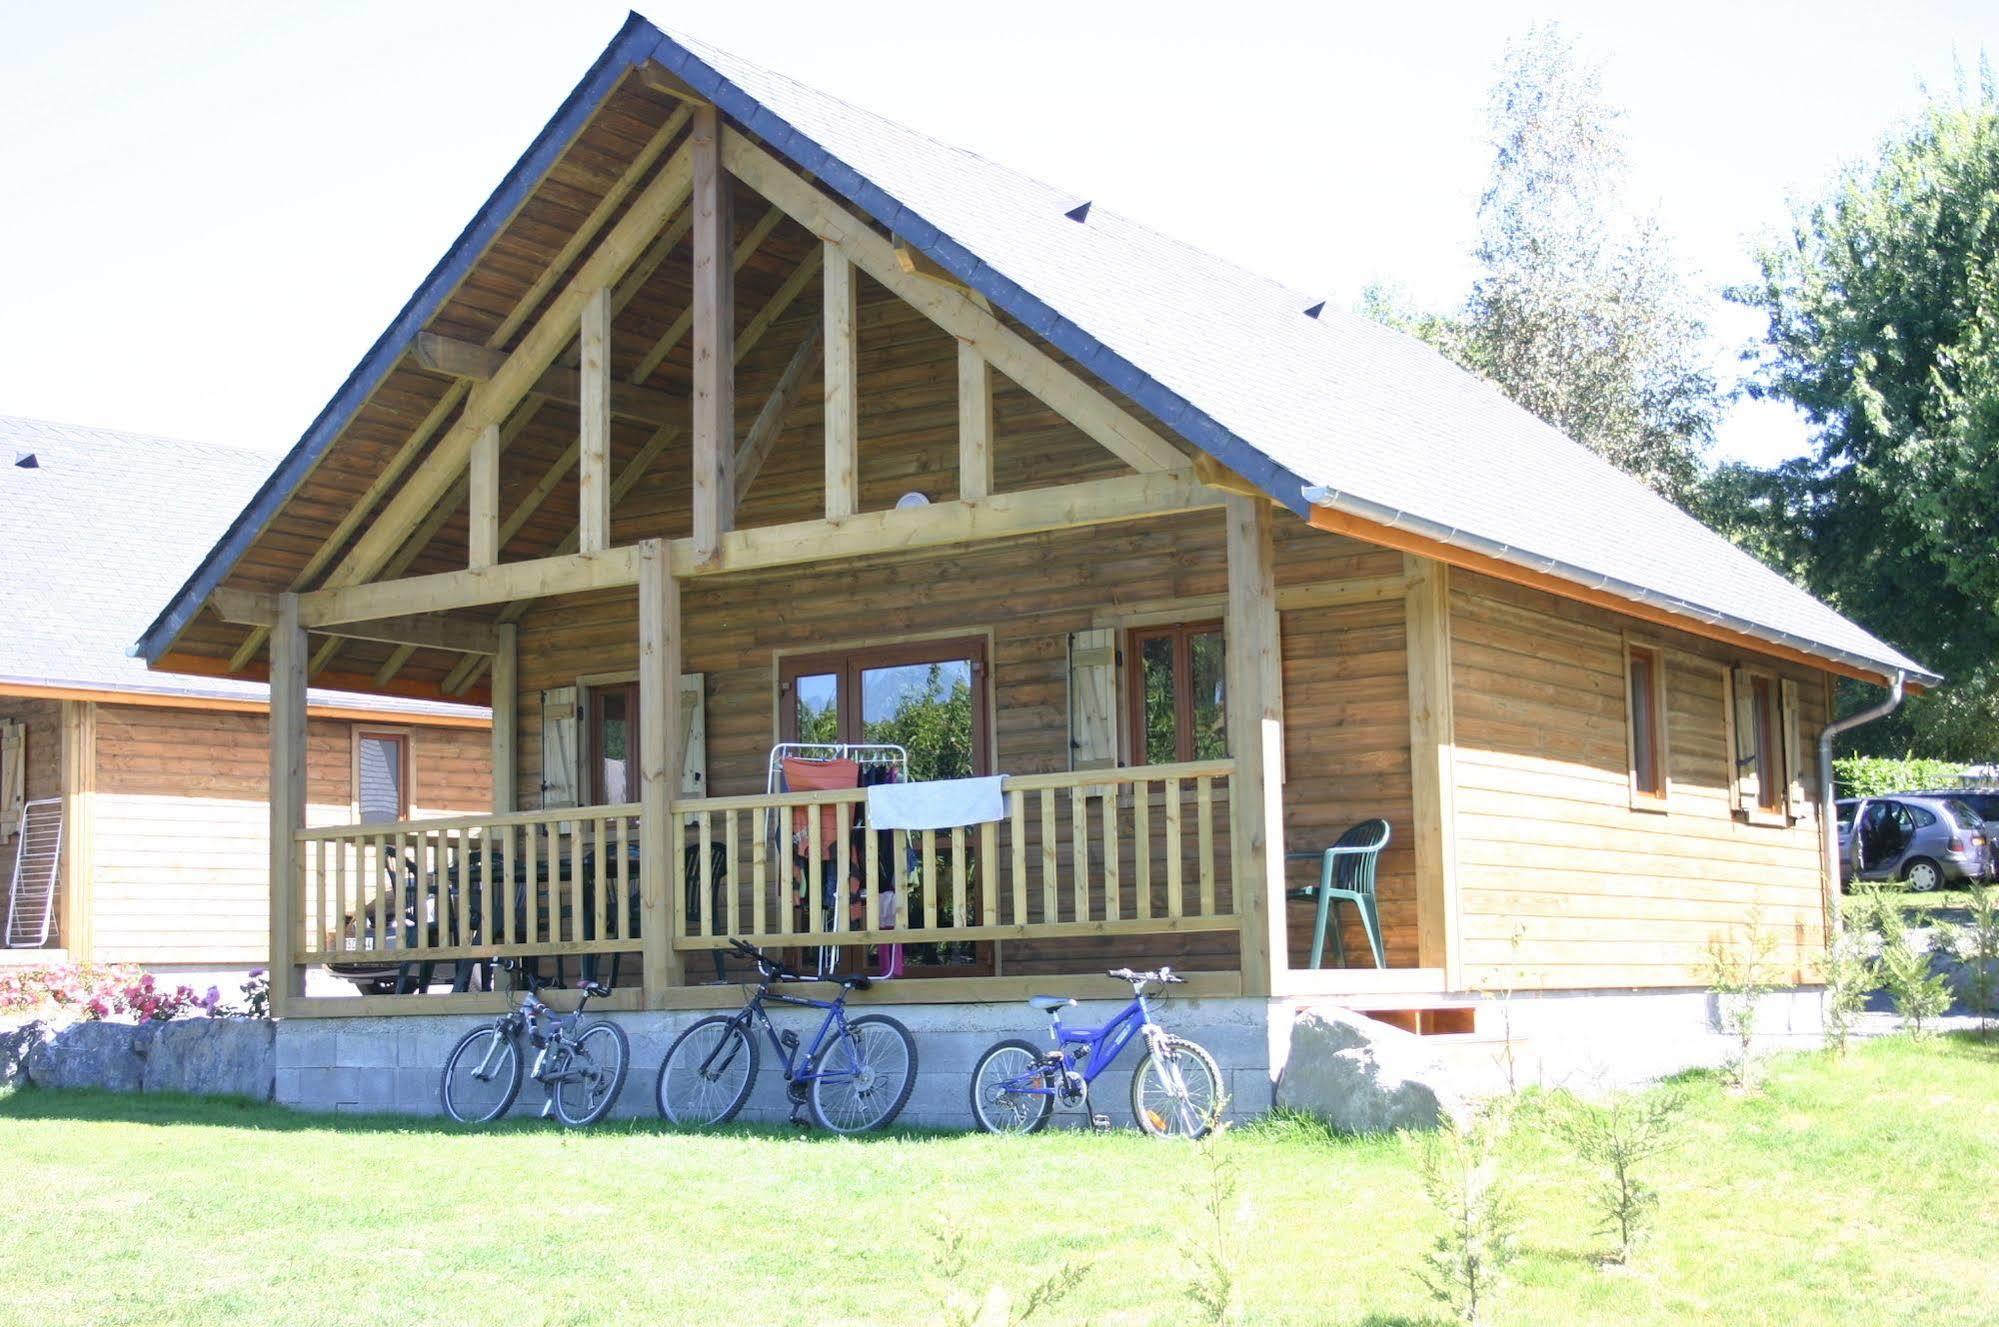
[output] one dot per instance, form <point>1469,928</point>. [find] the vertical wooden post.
<point>483,500</point>
<point>593,490</point>
<point>1255,693</point>
<point>659,768</point>
<point>843,396</point>
<point>506,717</point>
<point>1432,747</point>
<point>287,792</point>
<point>77,768</point>
<point>975,425</point>
<point>714,342</point>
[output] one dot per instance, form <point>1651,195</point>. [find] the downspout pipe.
<point>1828,814</point>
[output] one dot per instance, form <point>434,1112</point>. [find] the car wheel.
<point>1922,875</point>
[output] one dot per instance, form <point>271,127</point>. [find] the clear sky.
<point>212,207</point>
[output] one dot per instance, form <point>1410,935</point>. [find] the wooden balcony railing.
<point>1095,853</point>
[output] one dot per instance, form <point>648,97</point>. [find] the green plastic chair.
<point>1347,872</point>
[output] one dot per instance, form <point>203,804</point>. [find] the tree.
<point>1884,331</point>
<point>1578,313</point>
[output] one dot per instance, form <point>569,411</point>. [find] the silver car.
<point>1926,842</point>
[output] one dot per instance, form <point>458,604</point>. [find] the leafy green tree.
<point>1579,312</point>
<point>1883,304</point>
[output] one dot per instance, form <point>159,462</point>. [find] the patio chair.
<point>1346,872</point>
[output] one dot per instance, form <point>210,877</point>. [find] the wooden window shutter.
<point>13,776</point>
<point>693,734</point>
<point>560,727</point>
<point>1794,765</point>
<point>1093,699</point>
<point>1742,709</point>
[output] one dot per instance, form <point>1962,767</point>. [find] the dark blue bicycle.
<point>1176,1089</point>
<point>856,1073</point>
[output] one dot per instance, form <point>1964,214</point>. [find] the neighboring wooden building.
<point>158,782</point>
<point>739,415</point>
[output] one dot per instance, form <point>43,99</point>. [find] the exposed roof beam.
<point>1006,350</point>
<point>750,457</point>
<point>677,331</point>
<point>466,359</point>
<point>492,400</point>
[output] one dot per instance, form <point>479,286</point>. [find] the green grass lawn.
<point>1864,1191</point>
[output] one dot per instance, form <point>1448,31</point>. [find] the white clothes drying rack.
<point>861,753</point>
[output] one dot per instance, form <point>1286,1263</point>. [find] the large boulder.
<point>101,1055</point>
<point>15,1044</point>
<point>1363,1076</point>
<point>234,1057</point>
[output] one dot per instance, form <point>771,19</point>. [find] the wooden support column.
<point>483,499</point>
<point>975,424</point>
<point>593,517</point>
<point>506,716</point>
<point>1255,696</point>
<point>659,768</point>
<point>77,769</point>
<point>714,342</point>
<point>843,392</point>
<point>287,792</point>
<point>1432,747</point>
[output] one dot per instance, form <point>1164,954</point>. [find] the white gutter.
<point>1828,816</point>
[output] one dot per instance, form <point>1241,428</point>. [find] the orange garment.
<point>815,776</point>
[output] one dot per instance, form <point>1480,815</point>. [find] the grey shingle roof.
<point>93,539</point>
<point>1336,410</point>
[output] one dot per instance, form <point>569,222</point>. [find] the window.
<point>1762,714</point>
<point>381,777</point>
<point>612,744</point>
<point>1771,778</point>
<point>1645,715</point>
<point>1174,688</point>
<point>929,696</point>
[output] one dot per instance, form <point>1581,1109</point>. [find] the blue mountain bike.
<point>1175,1091</point>
<point>856,1073</point>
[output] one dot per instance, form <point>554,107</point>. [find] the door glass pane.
<point>1155,657</point>
<point>925,707</point>
<point>1211,738</point>
<point>613,748</point>
<point>818,714</point>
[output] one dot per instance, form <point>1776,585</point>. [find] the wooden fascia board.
<point>232,705</point>
<point>1386,536</point>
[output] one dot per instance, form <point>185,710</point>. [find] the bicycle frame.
<point>798,1068</point>
<point>1101,1045</point>
<point>547,1030</point>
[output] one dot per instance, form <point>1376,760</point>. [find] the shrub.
<point>100,990</point>
<point>1614,1140</point>
<point>1981,953</point>
<point>1212,1249</point>
<point>1877,776</point>
<point>1850,976</point>
<point>1739,976</point>
<point>961,1308</point>
<point>1465,1269</point>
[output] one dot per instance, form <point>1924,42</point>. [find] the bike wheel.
<point>593,1073</point>
<point>998,1103</point>
<point>864,1078</point>
<point>482,1076</point>
<point>707,1073</point>
<point>1177,1090</point>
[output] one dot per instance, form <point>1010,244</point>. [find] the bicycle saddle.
<point>1048,1004</point>
<point>597,989</point>
<point>856,981</point>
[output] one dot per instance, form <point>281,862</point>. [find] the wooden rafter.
<point>764,430</point>
<point>463,359</point>
<point>677,331</point>
<point>1039,373</point>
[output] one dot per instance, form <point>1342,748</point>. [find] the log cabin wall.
<point>182,858</point>
<point>1548,841</point>
<point>1344,673</point>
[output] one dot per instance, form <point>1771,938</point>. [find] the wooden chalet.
<point>739,415</point>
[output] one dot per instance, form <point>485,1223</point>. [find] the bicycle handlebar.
<point>1164,976</point>
<point>773,970</point>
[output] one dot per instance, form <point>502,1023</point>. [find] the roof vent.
<point>1080,212</point>
<point>27,461</point>
<point>1316,309</point>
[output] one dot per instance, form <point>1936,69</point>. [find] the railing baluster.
<point>843,836</point>
<point>1204,788</point>
<point>1051,874</point>
<point>676,870</point>
<point>815,871</point>
<point>705,840</point>
<point>733,882</point>
<point>1174,864</point>
<point>898,851</point>
<point>989,873</point>
<point>871,878</point>
<point>1017,829</point>
<point>531,858</point>
<point>1079,850</point>
<point>958,917</point>
<point>600,884</point>
<point>621,830</point>
<point>1113,881</point>
<point>1141,847</point>
<point>760,822</point>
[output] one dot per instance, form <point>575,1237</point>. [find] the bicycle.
<point>582,1071</point>
<point>855,1073</point>
<point>1176,1089</point>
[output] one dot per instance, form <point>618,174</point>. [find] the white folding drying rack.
<point>861,753</point>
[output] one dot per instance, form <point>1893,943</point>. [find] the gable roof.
<point>95,534</point>
<point>1330,410</point>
